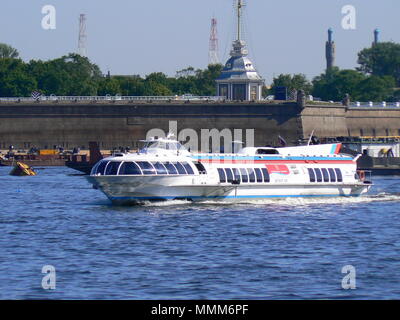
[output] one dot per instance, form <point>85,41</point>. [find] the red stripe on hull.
<point>277,168</point>
<point>338,147</point>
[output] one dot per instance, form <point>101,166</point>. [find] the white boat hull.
<point>137,190</point>
<point>164,172</point>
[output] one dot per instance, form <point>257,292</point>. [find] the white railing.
<point>371,104</point>
<point>168,98</point>
<point>113,98</point>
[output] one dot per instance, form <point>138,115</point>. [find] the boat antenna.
<point>309,140</point>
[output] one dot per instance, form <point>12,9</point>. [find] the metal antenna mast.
<point>239,46</point>
<point>82,50</point>
<point>239,16</point>
<point>213,57</point>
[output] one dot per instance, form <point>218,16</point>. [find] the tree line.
<point>376,79</point>
<point>74,75</point>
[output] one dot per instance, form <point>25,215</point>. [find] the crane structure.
<point>213,56</point>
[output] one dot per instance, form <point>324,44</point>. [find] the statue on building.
<point>346,100</point>
<point>301,99</point>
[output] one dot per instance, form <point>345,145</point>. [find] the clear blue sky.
<point>140,37</point>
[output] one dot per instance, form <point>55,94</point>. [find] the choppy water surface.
<point>275,249</point>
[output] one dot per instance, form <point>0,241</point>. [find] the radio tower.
<point>82,36</point>
<point>213,57</point>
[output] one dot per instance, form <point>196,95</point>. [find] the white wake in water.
<point>381,197</point>
<point>324,200</point>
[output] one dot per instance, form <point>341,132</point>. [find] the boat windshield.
<point>165,145</point>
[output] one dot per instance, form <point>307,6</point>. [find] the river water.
<point>273,249</point>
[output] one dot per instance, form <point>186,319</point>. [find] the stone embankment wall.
<point>119,123</point>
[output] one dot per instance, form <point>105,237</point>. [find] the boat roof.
<point>324,150</point>
<point>319,149</point>
<point>160,139</point>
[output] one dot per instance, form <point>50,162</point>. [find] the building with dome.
<point>239,80</point>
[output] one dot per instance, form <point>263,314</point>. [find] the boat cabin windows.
<point>267,151</point>
<point>265,174</point>
<point>252,175</point>
<point>243,175</point>
<point>101,167</point>
<point>325,174</point>
<point>94,169</point>
<point>229,175</point>
<point>160,168</point>
<point>170,168</point>
<point>259,175</point>
<point>130,168</point>
<point>201,168</point>
<point>222,176</point>
<point>236,175</point>
<point>318,174</point>
<point>312,175</point>
<point>339,175</point>
<point>180,168</point>
<point>188,168</point>
<point>142,168</point>
<point>332,175</point>
<point>146,167</point>
<point>112,168</point>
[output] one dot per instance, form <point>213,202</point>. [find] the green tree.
<point>323,85</point>
<point>153,88</point>
<point>206,79</point>
<point>334,85</point>
<point>382,59</point>
<point>157,77</point>
<point>376,88</point>
<point>7,51</point>
<point>291,82</point>
<point>130,85</point>
<point>15,80</point>
<point>69,75</point>
<point>184,73</point>
<point>197,82</point>
<point>156,84</point>
<point>108,86</point>
<point>347,81</point>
